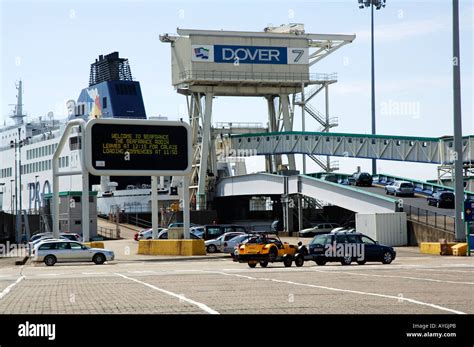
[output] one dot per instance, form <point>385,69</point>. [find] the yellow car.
<point>264,248</point>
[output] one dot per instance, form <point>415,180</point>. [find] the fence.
<point>109,233</point>
<point>135,220</point>
<point>431,218</point>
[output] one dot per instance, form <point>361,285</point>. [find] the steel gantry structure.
<point>273,64</point>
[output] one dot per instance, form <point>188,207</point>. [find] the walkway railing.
<point>109,233</point>
<point>430,218</point>
<point>225,76</point>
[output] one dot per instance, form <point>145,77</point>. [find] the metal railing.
<point>109,233</point>
<point>431,218</point>
<point>227,125</point>
<point>223,76</point>
<point>135,220</point>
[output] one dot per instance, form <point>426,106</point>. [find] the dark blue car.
<point>346,247</point>
<point>442,199</point>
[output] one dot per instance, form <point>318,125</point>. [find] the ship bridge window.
<point>125,89</point>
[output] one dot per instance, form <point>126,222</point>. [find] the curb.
<point>177,258</point>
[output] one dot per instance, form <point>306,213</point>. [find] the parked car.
<point>264,248</point>
<point>361,179</point>
<point>72,236</point>
<point>146,234</point>
<point>52,251</point>
<point>330,177</point>
<point>319,228</point>
<point>42,238</point>
<point>400,188</point>
<point>231,245</point>
<point>180,225</point>
<point>163,235</point>
<point>217,245</point>
<point>346,246</point>
<point>69,236</point>
<point>213,231</point>
<point>198,231</point>
<point>442,199</point>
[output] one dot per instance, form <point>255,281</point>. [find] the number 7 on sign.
<point>299,53</point>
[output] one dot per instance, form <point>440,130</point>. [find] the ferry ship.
<point>27,146</point>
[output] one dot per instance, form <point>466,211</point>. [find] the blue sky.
<point>50,45</point>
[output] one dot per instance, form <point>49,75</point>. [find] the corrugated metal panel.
<point>387,228</point>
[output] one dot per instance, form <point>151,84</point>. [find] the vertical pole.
<point>458,158</point>
<point>20,190</point>
<point>86,221</point>
<point>374,162</point>
<point>468,238</point>
<point>186,213</point>
<point>55,201</point>
<point>12,205</point>
<point>17,218</point>
<point>288,124</point>
<point>154,206</point>
<point>326,96</point>
<point>303,124</point>
<point>300,212</point>
<point>205,144</point>
<point>36,192</point>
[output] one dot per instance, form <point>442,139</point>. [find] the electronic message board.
<point>126,147</point>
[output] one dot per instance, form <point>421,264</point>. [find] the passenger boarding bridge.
<point>401,148</point>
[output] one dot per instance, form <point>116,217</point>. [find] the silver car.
<point>229,246</point>
<point>217,245</point>
<point>400,188</point>
<point>57,250</point>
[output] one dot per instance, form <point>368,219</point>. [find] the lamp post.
<point>11,196</point>
<point>378,4</point>
<point>460,234</point>
<point>20,144</point>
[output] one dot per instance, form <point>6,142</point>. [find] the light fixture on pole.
<point>378,4</point>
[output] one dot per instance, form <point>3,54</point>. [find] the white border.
<point>132,122</point>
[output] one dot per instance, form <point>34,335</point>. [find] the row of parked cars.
<point>43,247</point>
<point>339,245</point>
<point>398,188</point>
<point>205,232</point>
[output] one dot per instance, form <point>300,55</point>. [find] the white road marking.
<point>394,276</point>
<point>181,297</point>
<point>7,289</point>
<point>53,274</point>
<point>141,272</point>
<point>413,301</point>
<point>94,273</point>
<point>447,270</point>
